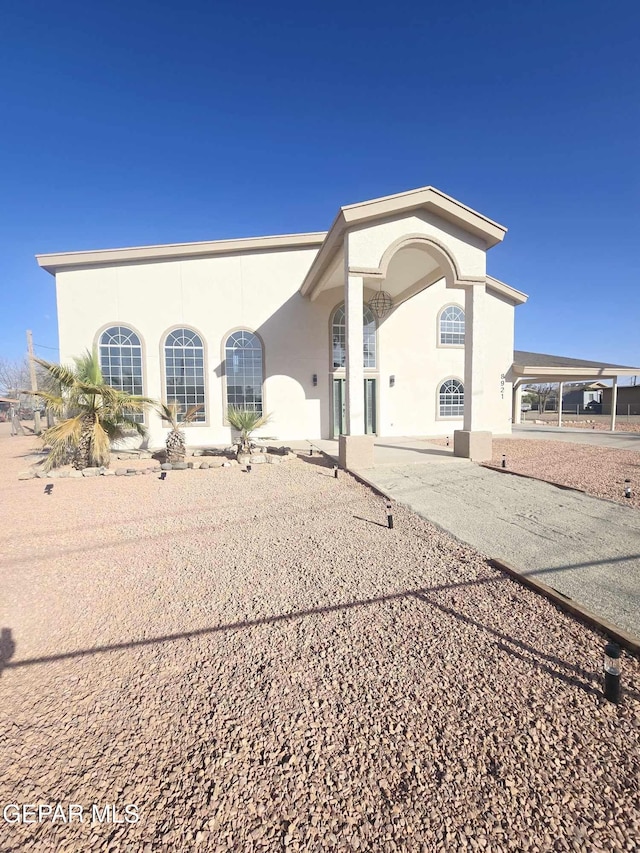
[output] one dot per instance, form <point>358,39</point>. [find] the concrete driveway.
<point>586,548</point>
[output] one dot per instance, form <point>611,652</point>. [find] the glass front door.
<point>340,407</point>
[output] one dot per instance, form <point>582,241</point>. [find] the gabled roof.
<point>423,198</point>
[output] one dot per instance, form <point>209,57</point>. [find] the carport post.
<point>614,402</point>
<point>560,404</point>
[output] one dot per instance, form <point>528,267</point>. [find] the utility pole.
<point>34,382</point>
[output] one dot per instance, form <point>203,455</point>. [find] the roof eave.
<point>53,263</point>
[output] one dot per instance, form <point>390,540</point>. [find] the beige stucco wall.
<point>259,292</point>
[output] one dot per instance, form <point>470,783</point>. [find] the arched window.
<point>184,372</point>
<point>451,399</point>
<point>121,361</point>
<point>452,326</point>
<point>339,337</point>
<point>243,370</point>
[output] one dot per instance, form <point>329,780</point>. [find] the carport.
<point>537,367</point>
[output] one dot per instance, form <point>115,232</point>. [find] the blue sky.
<point>139,123</point>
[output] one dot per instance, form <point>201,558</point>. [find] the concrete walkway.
<point>586,548</point>
<point>618,440</point>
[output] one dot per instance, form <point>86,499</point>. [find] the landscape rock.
<point>120,472</point>
<point>90,472</point>
<point>180,466</point>
<point>166,466</point>
<point>26,475</point>
<point>204,466</point>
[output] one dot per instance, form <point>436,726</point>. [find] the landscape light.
<point>48,488</point>
<point>335,471</point>
<point>612,672</point>
<point>163,476</point>
<point>447,441</point>
<point>311,451</point>
<point>627,488</point>
<point>504,460</point>
<point>248,468</point>
<point>389,517</point>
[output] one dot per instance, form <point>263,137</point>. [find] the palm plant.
<point>91,414</point>
<point>246,422</point>
<point>175,443</point>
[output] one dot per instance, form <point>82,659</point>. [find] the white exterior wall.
<point>213,296</point>
<point>259,292</point>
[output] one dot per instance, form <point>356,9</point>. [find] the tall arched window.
<point>184,372</point>
<point>243,370</point>
<point>451,399</point>
<point>452,326</point>
<point>339,337</point>
<point>121,361</point>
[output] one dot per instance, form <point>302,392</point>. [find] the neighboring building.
<point>628,402</point>
<point>579,396</point>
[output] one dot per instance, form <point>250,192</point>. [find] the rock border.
<point>221,460</point>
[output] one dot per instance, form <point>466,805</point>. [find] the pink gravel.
<point>257,663</point>
<point>598,471</point>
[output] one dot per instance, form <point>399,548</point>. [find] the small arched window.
<point>243,369</point>
<point>451,399</point>
<point>452,326</point>
<point>121,361</point>
<point>339,337</point>
<point>184,372</point>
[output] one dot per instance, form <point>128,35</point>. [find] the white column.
<point>353,301</point>
<point>516,404</point>
<point>560,384</point>
<point>614,403</point>
<point>475,333</point>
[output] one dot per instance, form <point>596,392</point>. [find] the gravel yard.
<point>258,664</point>
<point>599,471</point>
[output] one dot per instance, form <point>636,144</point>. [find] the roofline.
<point>562,373</point>
<point>430,198</point>
<point>173,251</point>
<point>498,286</point>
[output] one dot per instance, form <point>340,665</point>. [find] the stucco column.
<point>473,441</point>
<point>355,449</point>
<point>614,403</point>
<point>475,333</point>
<point>353,302</point>
<point>560,386</point>
<point>516,404</point>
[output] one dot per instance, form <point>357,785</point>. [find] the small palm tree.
<point>246,422</point>
<point>176,444</point>
<point>91,414</point>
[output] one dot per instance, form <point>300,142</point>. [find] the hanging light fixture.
<point>381,303</point>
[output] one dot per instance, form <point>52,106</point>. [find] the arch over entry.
<point>431,246</point>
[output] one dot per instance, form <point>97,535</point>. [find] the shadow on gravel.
<point>586,680</point>
<point>7,648</point>
<point>370,521</point>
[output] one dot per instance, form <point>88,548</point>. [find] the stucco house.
<point>387,324</point>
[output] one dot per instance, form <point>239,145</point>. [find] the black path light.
<point>389,517</point>
<point>248,468</point>
<point>335,471</point>
<point>612,672</point>
<point>627,488</point>
<point>163,476</point>
<point>447,441</point>
<point>48,488</point>
<point>504,460</point>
